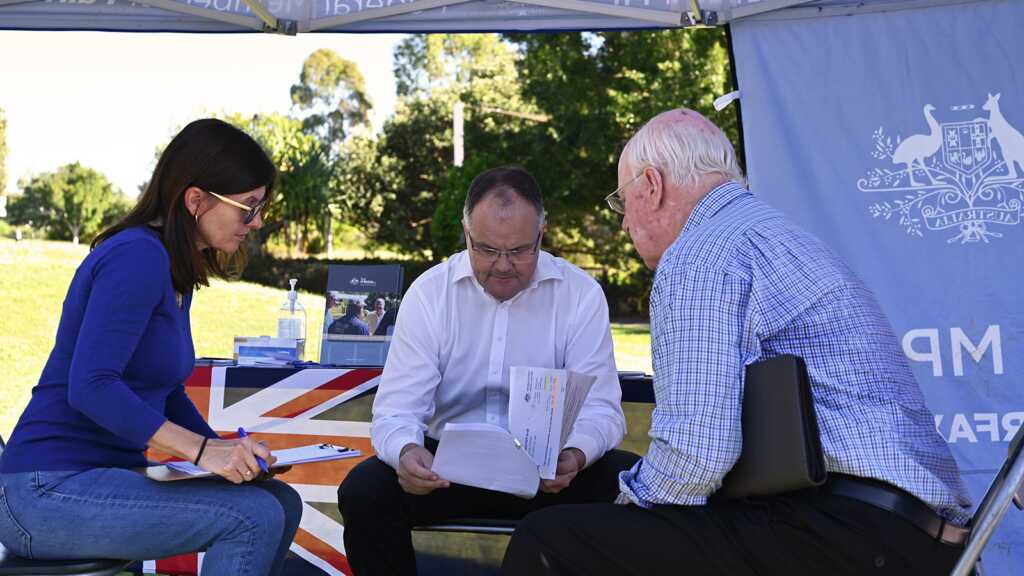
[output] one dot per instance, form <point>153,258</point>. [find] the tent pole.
<point>662,17</point>
<point>269,20</point>
<point>741,146</point>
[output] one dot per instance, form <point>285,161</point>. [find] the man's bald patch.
<point>504,199</point>
<point>684,117</point>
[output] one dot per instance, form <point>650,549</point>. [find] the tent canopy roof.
<point>301,16</point>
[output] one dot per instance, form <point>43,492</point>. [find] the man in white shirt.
<point>373,318</point>
<point>462,325</point>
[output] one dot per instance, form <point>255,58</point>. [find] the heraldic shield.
<point>965,146</point>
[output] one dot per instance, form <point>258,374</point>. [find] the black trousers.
<point>807,532</point>
<point>378,515</point>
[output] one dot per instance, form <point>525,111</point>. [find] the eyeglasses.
<point>615,202</point>
<point>520,255</point>
<point>250,211</point>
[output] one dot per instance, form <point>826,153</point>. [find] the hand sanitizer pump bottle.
<point>291,320</point>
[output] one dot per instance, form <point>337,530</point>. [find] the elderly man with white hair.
<point>736,282</point>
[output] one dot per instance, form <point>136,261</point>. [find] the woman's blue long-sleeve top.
<point>117,370</point>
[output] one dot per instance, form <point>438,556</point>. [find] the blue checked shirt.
<point>740,284</point>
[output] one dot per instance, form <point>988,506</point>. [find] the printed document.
<point>543,404</point>
<point>542,408</point>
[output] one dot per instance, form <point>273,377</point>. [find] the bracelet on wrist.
<point>200,453</point>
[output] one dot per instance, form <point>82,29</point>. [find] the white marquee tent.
<point>832,93</point>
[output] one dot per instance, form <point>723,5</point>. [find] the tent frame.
<point>262,20</point>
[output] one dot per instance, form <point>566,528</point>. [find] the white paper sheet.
<point>485,456</point>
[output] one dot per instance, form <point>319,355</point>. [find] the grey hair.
<point>684,151</point>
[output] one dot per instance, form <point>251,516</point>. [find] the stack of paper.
<point>543,406</point>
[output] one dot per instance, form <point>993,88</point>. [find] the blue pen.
<point>260,461</point>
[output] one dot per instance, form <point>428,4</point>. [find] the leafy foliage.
<point>598,89</point>
<point>883,145</point>
<point>72,203</point>
<point>304,170</point>
<point>446,225</point>
<point>394,192</point>
<point>560,104</point>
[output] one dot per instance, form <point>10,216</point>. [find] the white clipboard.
<point>173,471</point>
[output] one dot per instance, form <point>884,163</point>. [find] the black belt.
<point>900,503</point>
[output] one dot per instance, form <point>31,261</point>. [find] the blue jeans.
<point>115,513</point>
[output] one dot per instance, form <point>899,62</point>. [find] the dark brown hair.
<point>212,155</point>
<point>511,177</point>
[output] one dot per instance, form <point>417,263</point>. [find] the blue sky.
<point>108,100</point>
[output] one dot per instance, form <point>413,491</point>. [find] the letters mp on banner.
<point>902,147</point>
<point>288,407</point>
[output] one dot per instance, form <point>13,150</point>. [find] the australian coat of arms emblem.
<point>965,176</point>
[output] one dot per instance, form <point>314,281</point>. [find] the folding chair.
<point>11,564</point>
<point>1006,487</point>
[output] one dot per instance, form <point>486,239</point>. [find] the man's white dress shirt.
<point>454,344</point>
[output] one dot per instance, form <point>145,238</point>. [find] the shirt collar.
<point>461,266</point>
<point>547,269</point>
<point>713,202</point>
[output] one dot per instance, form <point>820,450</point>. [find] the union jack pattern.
<point>288,407</point>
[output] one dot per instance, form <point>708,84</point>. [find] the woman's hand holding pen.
<point>235,459</point>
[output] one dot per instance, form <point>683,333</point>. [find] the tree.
<point>332,94</point>
<point>119,207</point>
<point>595,90</point>
<point>304,172</point>
<point>434,71</point>
<point>446,224</point>
<point>71,203</point>
<point>598,88</point>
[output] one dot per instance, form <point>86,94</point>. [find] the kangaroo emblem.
<point>1010,140</point>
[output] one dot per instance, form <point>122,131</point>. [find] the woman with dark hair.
<point>113,385</point>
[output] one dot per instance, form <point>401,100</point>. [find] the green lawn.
<point>34,276</point>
